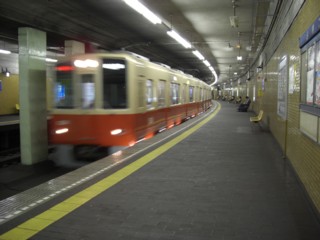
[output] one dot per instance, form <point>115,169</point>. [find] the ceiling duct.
<point>234,20</point>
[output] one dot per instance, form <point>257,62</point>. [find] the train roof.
<point>135,57</point>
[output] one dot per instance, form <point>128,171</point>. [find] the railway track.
<point>13,156</point>
<point>9,157</point>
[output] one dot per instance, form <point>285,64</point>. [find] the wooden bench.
<point>257,119</point>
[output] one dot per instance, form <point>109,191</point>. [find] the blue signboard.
<point>310,33</point>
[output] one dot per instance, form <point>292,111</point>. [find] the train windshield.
<point>114,84</point>
<point>63,86</point>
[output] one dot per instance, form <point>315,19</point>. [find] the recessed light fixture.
<point>4,51</point>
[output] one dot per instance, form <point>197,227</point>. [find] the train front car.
<point>91,105</point>
<point>117,99</point>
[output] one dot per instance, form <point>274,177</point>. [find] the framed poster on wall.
<point>282,89</point>
<point>317,73</point>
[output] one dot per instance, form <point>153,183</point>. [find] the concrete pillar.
<point>32,88</point>
<point>72,47</point>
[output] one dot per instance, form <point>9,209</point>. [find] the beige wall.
<point>9,95</point>
<point>301,151</point>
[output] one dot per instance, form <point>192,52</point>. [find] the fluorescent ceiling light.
<point>198,54</point>
<point>51,60</point>
<point>179,39</point>
<point>206,63</point>
<point>4,51</point>
<point>215,78</point>
<point>140,8</point>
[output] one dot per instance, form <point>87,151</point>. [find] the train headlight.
<point>116,131</point>
<point>62,131</point>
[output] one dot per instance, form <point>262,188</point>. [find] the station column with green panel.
<point>32,89</point>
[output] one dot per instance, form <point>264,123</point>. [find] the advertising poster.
<point>282,89</point>
<point>291,79</point>
<point>310,74</point>
<point>317,90</point>
<point>310,84</point>
<point>318,57</point>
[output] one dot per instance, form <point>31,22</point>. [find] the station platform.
<point>6,120</point>
<point>212,177</point>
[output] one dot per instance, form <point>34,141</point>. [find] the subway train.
<point>119,98</point>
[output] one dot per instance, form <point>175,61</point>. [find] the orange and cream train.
<point>117,99</point>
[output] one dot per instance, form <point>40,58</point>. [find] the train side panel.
<point>157,98</point>
<point>101,130</point>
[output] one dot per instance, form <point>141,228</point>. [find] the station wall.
<point>301,151</point>
<point>9,94</point>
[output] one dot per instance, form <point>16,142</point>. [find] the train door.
<point>161,103</point>
<point>184,99</point>
<point>161,93</point>
<point>191,105</point>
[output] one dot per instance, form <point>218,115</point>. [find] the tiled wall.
<point>300,150</point>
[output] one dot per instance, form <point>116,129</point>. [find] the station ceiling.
<point>113,25</point>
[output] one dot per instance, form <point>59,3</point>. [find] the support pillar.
<point>72,47</point>
<point>32,88</point>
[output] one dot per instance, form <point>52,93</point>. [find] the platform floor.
<point>224,181</point>
<point>9,119</point>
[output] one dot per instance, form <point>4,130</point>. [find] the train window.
<point>64,86</point>
<point>191,91</point>
<point>161,93</point>
<point>175,90</point>
<point>114,84</point>
<point>149,93</point>
<point>87,91</point>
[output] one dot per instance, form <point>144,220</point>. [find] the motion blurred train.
<point>120,98</point>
